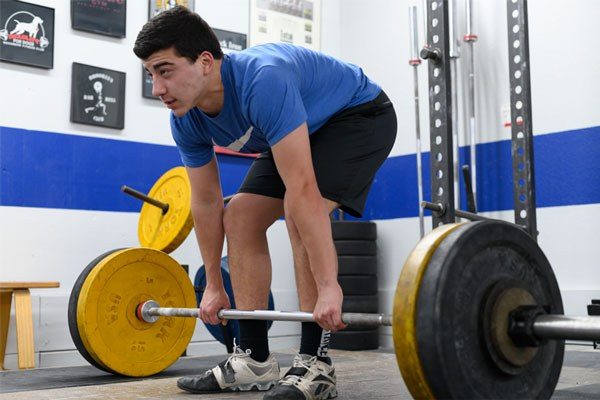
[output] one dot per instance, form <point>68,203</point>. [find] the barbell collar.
<point>148,311</point>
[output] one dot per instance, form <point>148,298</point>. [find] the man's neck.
<point>212,102</point>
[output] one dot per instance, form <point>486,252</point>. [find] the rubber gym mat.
<point>87,375</point>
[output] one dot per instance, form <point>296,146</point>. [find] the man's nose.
<point>158,89</point>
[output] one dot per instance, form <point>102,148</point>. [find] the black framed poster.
<point>105,17</point>
<point>26,34</point>
<point>230,41</point>
<point>97,96</point>
<point>147,85</point>
<point>155,7</point>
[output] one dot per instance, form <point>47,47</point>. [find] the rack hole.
<point>436,89</point>
<point>440,191</point>
<point>523,214</point>
<point>516,44</point>
<point>439,174</point>
<point>515,14</point>
<point>517,74</point>
<point>517,59</point>
<point>438,157</point>
<point>521,166</point>
<point>519,104</point>
<point>438,140</point>
<point>518,90</point>
<point>519,120</point>
<point>520,135</point>
<point>438,123</point>
<point>437,106</point>
<point>522,198</point>
<point>436,38</point>
<point>520,151</point>
<point>436,72</point>
<point>516,29</point>
<point>434,6</point>
<point>434,22</point>
<point>521,182</point>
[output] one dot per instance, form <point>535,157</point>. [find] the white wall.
<point>55,244</point>
<point>43,244</point>
<point>565,86</point>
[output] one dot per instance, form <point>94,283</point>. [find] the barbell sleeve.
<point>147,199</point>
<point>567,328</point>
<point>163,206</point>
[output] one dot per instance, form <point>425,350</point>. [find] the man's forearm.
<point>314,227</point>
<point>208,222</point>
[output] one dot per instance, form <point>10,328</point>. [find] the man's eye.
<point>163,72</point>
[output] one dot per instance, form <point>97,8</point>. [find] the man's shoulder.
<point>268,54</point>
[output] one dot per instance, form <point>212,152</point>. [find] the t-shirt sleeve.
<point>274,103</point>
<point>193,149</point>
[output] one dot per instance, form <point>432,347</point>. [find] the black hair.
<point>180,28</point>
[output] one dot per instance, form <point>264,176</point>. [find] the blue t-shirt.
<point>270,90</point>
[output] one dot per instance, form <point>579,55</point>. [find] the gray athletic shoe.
<point>308,379</point>
<point>238,373</point>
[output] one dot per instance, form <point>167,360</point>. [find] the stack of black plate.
<point>356,245</point>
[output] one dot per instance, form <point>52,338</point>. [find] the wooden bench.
<point>23,317</point>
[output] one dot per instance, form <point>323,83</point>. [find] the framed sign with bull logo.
<point>26,34</point>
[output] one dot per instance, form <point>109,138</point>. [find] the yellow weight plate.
<point>405,309</point>
<point>166,232</point>
<point>106,312</point>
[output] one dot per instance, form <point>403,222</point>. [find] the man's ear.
<point>207,61</point>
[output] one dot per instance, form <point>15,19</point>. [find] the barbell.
<point>477,314</point>
<point>166,215</point>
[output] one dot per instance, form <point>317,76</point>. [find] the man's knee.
<point>248,215</point>
<point>233,216</point>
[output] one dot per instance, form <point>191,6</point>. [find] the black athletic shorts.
<point>347,152</point>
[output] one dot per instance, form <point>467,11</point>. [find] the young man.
<point>323,129</point>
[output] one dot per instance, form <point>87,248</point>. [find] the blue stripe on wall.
<point>567,168</point>
<point>50,170</point>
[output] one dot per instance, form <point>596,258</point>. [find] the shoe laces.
<point>299,362</point>
<point>307,363</point>
<point>237,353</point>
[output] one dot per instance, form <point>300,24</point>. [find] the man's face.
<point>179,83</point>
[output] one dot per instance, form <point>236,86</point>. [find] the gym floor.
<point>361,375</point>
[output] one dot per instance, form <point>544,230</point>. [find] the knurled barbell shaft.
<point>139,195</point>
<point>269,315</point>
<point>565,327</point>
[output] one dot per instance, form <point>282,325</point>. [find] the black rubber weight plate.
<point>72,311</point>
<point>357,265</point>
<point>362,285</point>
<point>453,292</point>
<point>353,230</point>
<point>361,304</point>
<point>355,247</point>
<point>355,340</point>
